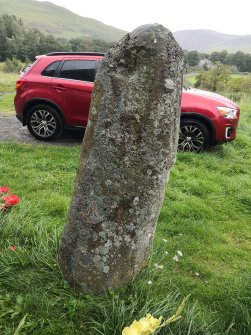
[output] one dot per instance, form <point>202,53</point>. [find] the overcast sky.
<point>225,16</point>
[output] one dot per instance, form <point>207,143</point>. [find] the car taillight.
<point>19,83</point>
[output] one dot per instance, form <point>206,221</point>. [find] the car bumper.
<point>227,131</point>
<point>20,117</point>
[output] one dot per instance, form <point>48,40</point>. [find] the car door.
<point>73,86</point>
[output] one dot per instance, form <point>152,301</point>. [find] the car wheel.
<point>44,123</point>
<point>193,136</point>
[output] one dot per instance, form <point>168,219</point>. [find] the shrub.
<point>214,79</point>
<point>12,65</point>
<point>238,87</point>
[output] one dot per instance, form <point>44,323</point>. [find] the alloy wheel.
<point>191,138</point>
<point>43,123</point>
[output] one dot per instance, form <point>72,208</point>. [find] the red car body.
<point>203,106</point>
<point>55,93</point>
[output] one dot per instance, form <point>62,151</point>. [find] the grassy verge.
<point>7,87</point>
<point>7,81</point>
<point>7,103</point>
<point>205,216</point>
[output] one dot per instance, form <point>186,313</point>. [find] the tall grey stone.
<point>128,149</point>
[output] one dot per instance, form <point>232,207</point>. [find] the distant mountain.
<point>60,22</point>
<point>209,40</point>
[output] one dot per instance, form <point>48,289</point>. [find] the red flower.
<point>4,189</point>
<point>11,200</point>
<point>14,248</point>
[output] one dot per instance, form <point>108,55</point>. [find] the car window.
<point>25,69</point>
<point>83,70</point>
<point>50,69</point>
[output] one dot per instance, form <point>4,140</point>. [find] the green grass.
<point>205,215</point>
<point>7,81</point>
<point>7,88</point>
<point>190,79</point>
<point>7,103</point>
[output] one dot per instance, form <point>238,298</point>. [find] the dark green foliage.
<point>78,44</point>
<point>219,57</point>
<point>24,44</point>
<point>241,60</point>
<point>193,58</point>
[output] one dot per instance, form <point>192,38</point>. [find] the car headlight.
<point>227,112</point>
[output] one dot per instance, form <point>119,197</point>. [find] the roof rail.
<point>76,53</point>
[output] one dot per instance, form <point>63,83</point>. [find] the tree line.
<point>239,61</point>
<point>19,42</point>
<point>24,44</point>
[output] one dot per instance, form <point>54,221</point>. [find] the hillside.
<point>60,22</point>
<point>208,41</point>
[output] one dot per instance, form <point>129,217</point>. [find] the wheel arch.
<point>205,120</point>
<point>37,101</point>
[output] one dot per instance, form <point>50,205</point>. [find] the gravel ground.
<point>12,130</point>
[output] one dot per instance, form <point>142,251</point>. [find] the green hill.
<point>60,22</point>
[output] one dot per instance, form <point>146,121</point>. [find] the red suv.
<point>55,93</point>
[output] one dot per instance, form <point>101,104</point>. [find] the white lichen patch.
<point>108,182</point>
<point>127,239</point>
<point>106,269</point>
<point>135,201</point>
<point>127,161</point>
<point>169,84</point>
<point>102,250</point>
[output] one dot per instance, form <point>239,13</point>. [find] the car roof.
<point>76,53</point>
<point>72,55</point>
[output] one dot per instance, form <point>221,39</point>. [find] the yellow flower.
<point>145,326</point>
<point>131,331</point>
<point>148,325</point>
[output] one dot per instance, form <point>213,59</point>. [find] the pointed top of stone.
<point>146,28</point>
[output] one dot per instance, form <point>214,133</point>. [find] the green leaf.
<point>20,326</point>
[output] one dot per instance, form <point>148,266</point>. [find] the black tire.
<point>193,136</point>
<point>44,122</point>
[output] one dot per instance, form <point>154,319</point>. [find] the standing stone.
<point>128,149</point>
